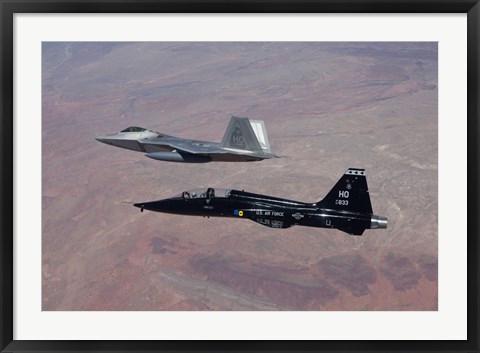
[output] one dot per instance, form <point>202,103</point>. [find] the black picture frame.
<point>10,7</point>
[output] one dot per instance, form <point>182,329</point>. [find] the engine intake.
<point>177,157</point>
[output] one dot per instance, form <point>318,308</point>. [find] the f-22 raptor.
<point>244,140</point>
<point>346,207</point>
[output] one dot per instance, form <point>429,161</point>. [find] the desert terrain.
<point>326,106</point>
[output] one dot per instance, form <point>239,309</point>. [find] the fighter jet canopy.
<point>204,193</point>
<point>134,129</point>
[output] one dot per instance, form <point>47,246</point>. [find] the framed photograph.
<point>239,176</point>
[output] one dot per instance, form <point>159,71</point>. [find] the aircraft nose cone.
<point>158,206</point>
<point>101,139</point>
<point>139,205</point>
<point>108,140</point>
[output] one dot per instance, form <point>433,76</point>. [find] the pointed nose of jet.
<point>158,206</point>
<point>141,206</point>
<point>104,139</point>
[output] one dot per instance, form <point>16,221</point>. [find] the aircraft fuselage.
<point>266,210</point>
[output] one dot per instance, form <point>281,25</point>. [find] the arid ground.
<point>327,107</point>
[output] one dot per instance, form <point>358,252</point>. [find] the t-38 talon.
<point>346,207</point>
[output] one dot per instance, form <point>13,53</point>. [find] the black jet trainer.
<point>346,207</point>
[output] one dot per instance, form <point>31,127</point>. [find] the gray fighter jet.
<point>245,140</point>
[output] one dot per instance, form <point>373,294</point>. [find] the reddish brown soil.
<point>327,107</point>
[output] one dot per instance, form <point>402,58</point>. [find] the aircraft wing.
<point>202,148</point>
<point>188,146</point>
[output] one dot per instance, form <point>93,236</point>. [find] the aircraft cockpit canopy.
<point>134,129</point>
<point>205,193</point>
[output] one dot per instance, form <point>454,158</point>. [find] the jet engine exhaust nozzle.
<point>378,222</point>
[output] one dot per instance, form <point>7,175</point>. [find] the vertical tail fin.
<point>260,131</point>
<point>246,134</point>
<point>350,193</point>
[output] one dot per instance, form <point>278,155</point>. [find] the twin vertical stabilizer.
<point>246,134</point>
